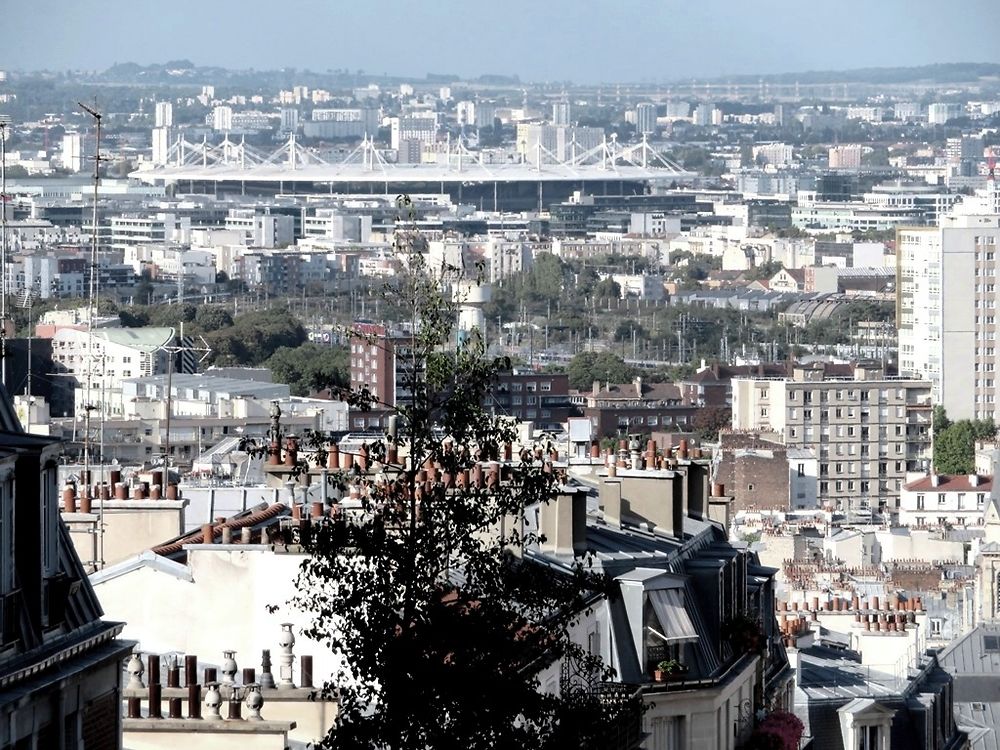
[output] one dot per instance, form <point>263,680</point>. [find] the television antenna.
<point>4,122</point>
<point>172,351</point>
<point>25,301</point>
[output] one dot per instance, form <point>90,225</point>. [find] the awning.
<point>675,625</point>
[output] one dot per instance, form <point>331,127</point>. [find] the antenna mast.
<point>94,291</point>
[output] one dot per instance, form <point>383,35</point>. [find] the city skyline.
<point>664,43</point>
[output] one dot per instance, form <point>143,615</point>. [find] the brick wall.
<point>100,722</point>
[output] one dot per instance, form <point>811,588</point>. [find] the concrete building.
<point>60,664</point>
<point>421,127</point>
<point>946,299</point>
<point>222,118</point>
<point>117,353</point>
<point>561,112</point>
<point>341,123</point>
<point>773,154</point>
<point>866,429</point>
<point>939,113</point>
<point>161,141</point>
<point>645,118</point>
<point>72,152</point>
<point>555,143</point>
<point>164,115</point>
<point>845,157</point>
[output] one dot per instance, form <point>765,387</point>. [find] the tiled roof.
<point>951,483</point>
<point>260,514</point>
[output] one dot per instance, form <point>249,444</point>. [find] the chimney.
<point>638,387</point>
<point>611,500</point>
<point>563,522</point>
<point>974,480</point>
<point>654,499</point>
<point>935,480</point>
<point>596,387</point>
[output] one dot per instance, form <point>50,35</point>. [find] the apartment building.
<point>944,500</point>
<point>866,430</point>
<point>103,361</point>
<point>946,300</point>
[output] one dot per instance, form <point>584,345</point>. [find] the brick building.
<point>763,474</point>
<point>637,408</point>
<point>542,398</point>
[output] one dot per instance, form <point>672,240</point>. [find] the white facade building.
<point>947,301</point>
<point>106,358</point>
<point>164,117</point>
<point>222,118</point>
<point>939,500</point>
<point>72,152</point>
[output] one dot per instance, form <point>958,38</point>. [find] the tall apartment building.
<point>645,118</point>
<point>560,112</point>
<point>866,430</point>
<point>72,152</point>
<point>946,308</point>
<point>560,143</point>
<point>164,115</point>
<point>845,157</point>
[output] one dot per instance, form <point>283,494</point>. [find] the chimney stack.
<point>563,522</point>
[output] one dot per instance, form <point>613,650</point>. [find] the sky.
<point>584,41</point>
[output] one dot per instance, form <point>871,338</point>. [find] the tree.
<point>955,445</point>
<point>586,367</point>
<point>212,318</point>
<point>310,368</point>
<point>709,420</point>
<point>440,622</point>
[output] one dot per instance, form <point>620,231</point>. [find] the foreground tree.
<point>423,584</point>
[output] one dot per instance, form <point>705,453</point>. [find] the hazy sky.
<point>539,40</point>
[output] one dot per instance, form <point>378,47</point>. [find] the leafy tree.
<point>708,421</point>
<point>310,368</point>
<point>212,318</point>
<point>254,337</point>
<point>940,421</point>
<point>441,624</point>
<point>586,367</point>
<point>955,445</point>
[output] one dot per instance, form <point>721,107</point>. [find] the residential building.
<point>541,398</point>
<point>556,142</point>
<point>164,115</point>
<point>942,500</point>
<point>645,118</point>
<point>418,126</point>
<point>866,429</point>
<point>636,408</point>
<point>221,118</point>
<point>561,112</point>
<point>60,664</point>
<point>680,584</point>
<point>939,113</point>
<point>972,660</point>
<point>103,359</point>
<point>946,308</point>
<point>773,154</point>
<point>72,152</point>
<point>341,123</point>
<point>845,157</point>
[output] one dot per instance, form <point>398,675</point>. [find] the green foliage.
<point>940,421</point>
<point>764,271</point>
<point>254,337</point>
<point>440,629</point>
<point>586,367</point>
<point>212,318</point>
<point>310,368</point>
<point>955,445</point>
<point>709,420</point>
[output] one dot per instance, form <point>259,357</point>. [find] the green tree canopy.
<point>955,445</point>
<point>310,368</point>
<point>586,367</point>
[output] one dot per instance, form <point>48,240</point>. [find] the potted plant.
<point>668,668</point>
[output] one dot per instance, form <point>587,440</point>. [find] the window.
<point>941,498</point>
<point>920,502</point>
<point>749,488</point>
<point>801,470</point>
<point>545,386</point>
<point>868,738</point>
<point>980,498</point>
